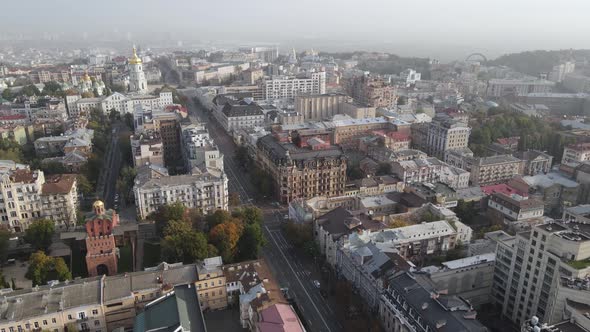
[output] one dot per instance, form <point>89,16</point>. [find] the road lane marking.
<point>299,280</point>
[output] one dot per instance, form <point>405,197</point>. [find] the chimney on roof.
<point>441,323</point>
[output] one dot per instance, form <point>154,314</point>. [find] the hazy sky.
<point>492,25</point>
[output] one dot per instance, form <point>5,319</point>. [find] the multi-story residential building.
<point>536,162</point>
<point>445,133</point>
<point>79,140</point>
<point>199,150</point>
<point>348,132</point>
<point>560,71</point>
<point>52,307</point>
<point>576,153</point>
<point>537,272</point>
<point>555,190</point>
<point>410,76</point>
<point>119,102</point>
<point>418,170</point>
<point>417,240</point>
<point>279,87</point>
<point>332,229</point>
<point>326,106</point>
<point>501,87</point>
<point>204,191</point>
<point>470,277</point>
<point>241,115</point>
<point>371,91</point>
<point>59,199</point>
<point>514,208</point>
<point>319,107</point>
<point>411,303</point>
<point>21,198</point>
<point>147,148</point>
<point>493,170</point>
<point>302,172</point>
<point>368,269</point>
<point>430,170</point>
<point>211,284</point>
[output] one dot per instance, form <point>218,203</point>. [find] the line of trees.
<point>188,236</point>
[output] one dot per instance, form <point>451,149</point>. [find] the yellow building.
<point>211,284</point>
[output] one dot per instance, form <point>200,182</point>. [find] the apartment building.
<point>371,91</point>
<point>199,149</point>
<point>319,107</point>
<point>576,153</point>
<point>417,240</point>
<point>431,170</point>
<point>211,284</point>
<point>470,278</point>
<point>21,198</point>
<point>411,303</point>
<point>493,170</point>
<point>280,87</point>
<point>79,140</point>
<point>504,87</point>
<point>59,199</point>
<point>445,133</point>
<point>348,132</point>
<point>535,162</point>
<point>242,115</point>
<point>539,271</point>
<point>368,268</point>
<point>302,172</point>
<point>147,148</point>
<point>52,307</point>
<point>513,208</point>
<point>204,191</point>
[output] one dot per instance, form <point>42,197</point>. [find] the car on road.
<point>286,217</point>
<point>316,284</point>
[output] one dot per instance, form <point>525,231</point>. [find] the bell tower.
<point>102,252</point>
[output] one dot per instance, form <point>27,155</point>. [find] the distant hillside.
<point>535,62</point>
<point>384,63</point>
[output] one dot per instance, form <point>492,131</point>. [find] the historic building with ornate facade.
<point>101,255</point>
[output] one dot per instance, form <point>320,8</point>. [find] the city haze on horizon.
<point>448,30</point>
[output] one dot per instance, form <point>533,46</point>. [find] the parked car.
<point>316,284</point>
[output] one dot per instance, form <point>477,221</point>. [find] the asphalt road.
<point>292,272</point>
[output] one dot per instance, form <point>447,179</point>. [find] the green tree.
<point>84,186</point>
<point>383,169</point>
<point>354,173</point>
<point>234,199</point>
<point>128,118</point>
<point>52,88</point>
<point>7,94</point>
<point>251,241</point>
<point>249,215</point>
<point>166,213</point>
<point>39,234</point>
<point>53,167</point>
<point>183,244</point>
<point>30,90</point>
<point>217,217</point>
<point>4,238</point>
<point>225,238</point>
<point>43,268</point>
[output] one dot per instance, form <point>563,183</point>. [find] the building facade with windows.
<point>302,172</point>
<point>279,87</point>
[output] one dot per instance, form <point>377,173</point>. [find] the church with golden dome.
<point>137,80</point>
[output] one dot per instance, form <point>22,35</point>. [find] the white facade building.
<point>500,87</point>
<point>119,102</point>
<point>205,192</point>
<point>279,87</point>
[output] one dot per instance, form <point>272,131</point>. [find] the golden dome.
<point>98,204</point>
<point>135,60</point>
<point>86,77</point>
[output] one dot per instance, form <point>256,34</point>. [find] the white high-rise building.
<point>279,87</point>
<point>137,80</point>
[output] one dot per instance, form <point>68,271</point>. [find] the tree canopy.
<point>182,243</point>
<point>39,234</point>
<point>43,268</point>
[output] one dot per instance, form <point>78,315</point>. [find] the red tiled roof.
<point>502,188</point>
<point>12,117</point>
